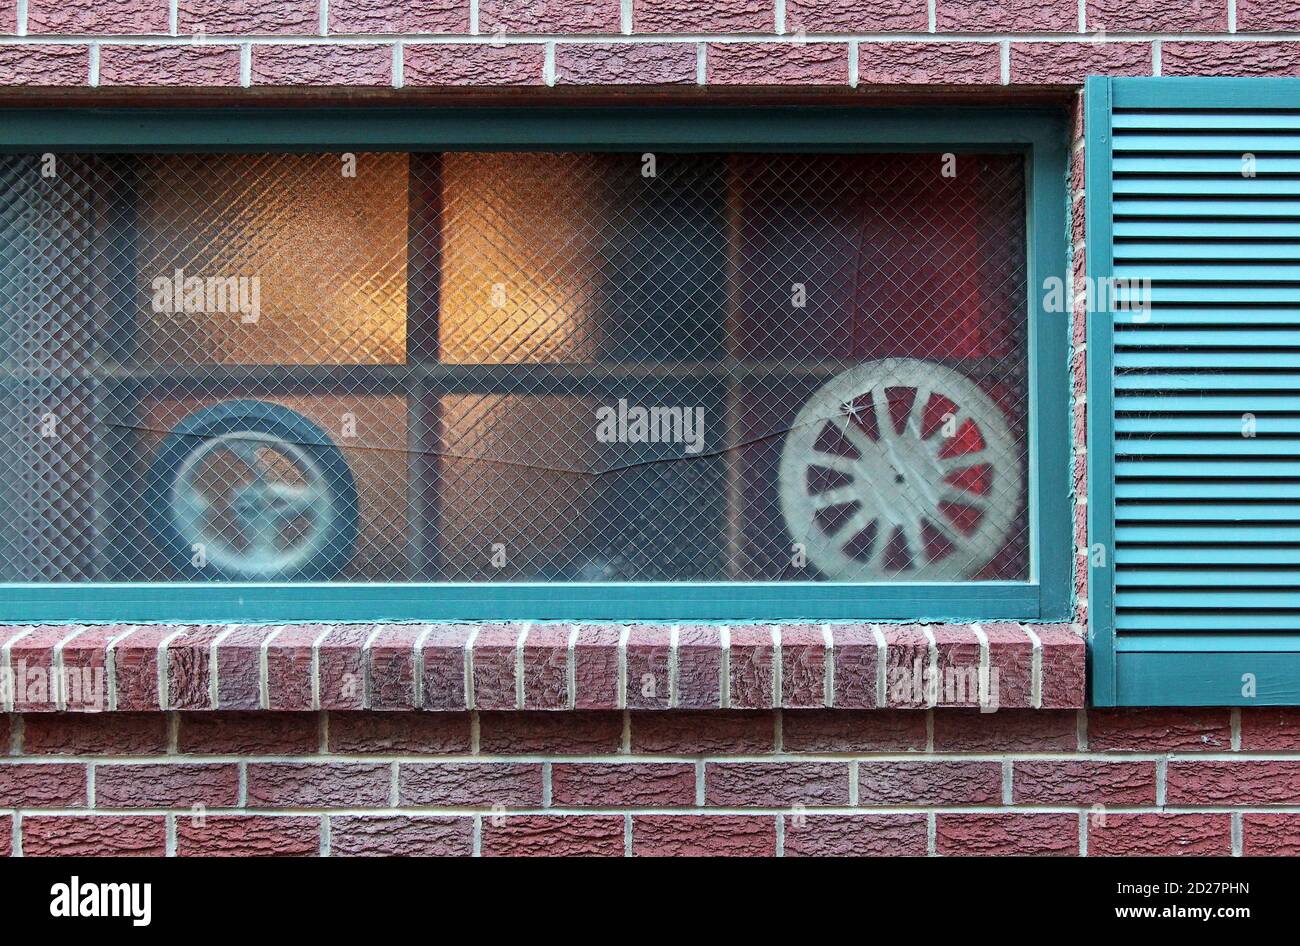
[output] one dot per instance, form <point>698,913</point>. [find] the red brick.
<point>496,658</point>
<point>1070,63</point>
<point>5,738</point>
<point>318,784</point>
<point>239,667</point>
<point>548,16</point>
<point>167,785</point>
<point>1270,729</point>
<point>342,671</point>
<point>38,785</point>
<point>359,733</point>
<point>189,668</point>
<point>98,836</point>
<point>803,667</point>
<point>9,23</point>
<point>135,667</point>
<point>1248,782</point>
<point>621,785</point>
<point>776,784</point>
<point>1275,835</point>
<point>699,666</point>
<point>1006,16</point>
<point>648,654</point>
<point>87,734</point>
<point>1267,16</point>
<point>169,65</point>
<point>85,668</point>
<point>958,651</point>
<point>29,64</point>
<point>929,783</point>
<point>256,17</point>
<point>319,64</point>
<point>921,63</point>
<point>907,665</point>
<point>289,667</point>
<point>553,836</point>
<point>1154,16</point>
<point>703,16</point>
<point>471,784</point>
<point>1158,834</point>
<point>6,835</point>
<point>590,733</point>
<point>777,64</point>
<point>31,659</point>
<point>393,836</point>
<point>1159,730</point>
<point>122,17</point>
<point>751,667</point>
<point>1005,731</point>
<point>249,733</point>
<point>852,730</point>
<point>1030,834</point>
<point>1229,59</point>
<point>1084,783</point>
<point>857,656</point>
<point>476,65</point>
<point>444,667</point>
<point>397,18</point>
<point>855,835</point>
<point>703,836</point>
<point>391,658</point>
<point>247,836</point>
<point>855,16</point>
<point>625,63</point>
<point>595,667</point>
<point>546,667</point>
<point>1064,673</point>
<point>704,733</point>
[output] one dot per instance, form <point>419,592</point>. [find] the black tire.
<point>254,417</point>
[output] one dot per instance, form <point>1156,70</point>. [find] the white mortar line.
<point>1235,830</point>
<point>169,846</point>
<point>1234,723</point>
<point>418,666</point>
<point>1007,777</point>
<point>1004,62</point>
<point>214,696</point>
<point>21,16</point>
<point>931,16</point>
<point>366,659</point>
<point>724,668</point>
<point>1232,16</point>
<point>701,63</point>
<point>778,17</point>
<point>627,835</point>
<point>399,79</point>
<point>853,783</point>
<point>315,667</point>
<point>394,793</point>
<point>674,639</point>
<point>546,784</point>
<point>326,835</point>
<point>164,693</point>
<point>60,684</point>
<point>93,79</point>
<point>324,22</point>
<point>571,666</point>
<point>519,664</point>
<point>1162,781</point>
<point>245,64</point>
<point>625,16</point>
<point>1036,668</point>
<point>1083,16</point>
<point>776,666</point>
<point>1083,833</point>
<point>173,18</point>
<point>548,64</point>
<point>264,669</point>
<point>699,783</point>
<point>90,786</point>
<point>828,666</point>
<point>110,665</point>
<point>10,693</point>
<point>985,665</point>
<point>1155,57</point>
<point>477,850</point>
<point>931,834</point>
<point>780,835</point>
<point>1081,729</point>
<point>931,685</point>
<point>473,17</point>
<point>882,669</point>
<point>853,64</point>
<point>621,697</point>
<point>469,670</point>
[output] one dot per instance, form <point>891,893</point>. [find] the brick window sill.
<point>551,666</point>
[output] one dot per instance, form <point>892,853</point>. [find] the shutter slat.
<point>1212,142</point>
<point>1239,119</point>
<point>1208,512</point>
<point>1216,186</point>
<point>1211,578</point>
<point>1205,490</point>
<point>1209,252</point>
<point>1242,555</point>
<point>1203,164</point>
<point>1238,381</point>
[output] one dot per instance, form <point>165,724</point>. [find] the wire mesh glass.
<point>513,367</point>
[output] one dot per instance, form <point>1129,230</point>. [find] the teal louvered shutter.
<point>1194,390</point>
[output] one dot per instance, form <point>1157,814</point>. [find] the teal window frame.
<point>1211,668</point>
<point>1040,134</point>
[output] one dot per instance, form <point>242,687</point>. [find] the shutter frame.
<point>1187,616</point>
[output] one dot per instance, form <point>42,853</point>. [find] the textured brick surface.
<point>803,667</point>
<point>1276,835</point>
<point>546,667</point>
<point>1064,680</point>
<point>773,64</point>
<point>53,785</point>
<point>1159,834</point>
<point>351,733</point>
<point>391,667</point>
<point>595,667</point>
<point>248,733</point>
<point>319,65</point>
<point>1028,834</point>
<point>625,63</point>
<point>1273,728</point>
<point>556,733</point>
<point>1254,782</point>
<point>395,17</point>
<point>1267,15</point>
<point>699,667</point>
<point>495,667</point>
<point>857,660</point>
<point>855,16</point>
<point>1154,16</point>
<point>247,836</point>
<point>318,785</point>
<point>1006,731</point>
<point>214,785</point>
<point>773,784</point>
<point>247,16</point>
<point>648,657</point>
<point>443,656</point>
<point>482,65</point>
<point>1149,730</point>
<point>553,836</point>
<point>6,835</point>
<point>1084,783</point>
<point>619,785</point>
<point>1071,63</point>
<point>703,836</point>
<point>1005,16</point>
<point>289,663</point>
<point>855,835</point>
<point>78,734</point>
<point>1229,59</point>
<point>750,657</point>
<point>399,836</point>
<point>702,16</point>
<point>913,63</point>
<point>929,783</point>
<point>96,16</point>
<point>548,16</point>
<point>99,836</point>
<point>852,730</point>
<point>700,733</point>
<point>471,784</point>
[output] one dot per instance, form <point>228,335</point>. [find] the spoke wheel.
<point>900,469</point>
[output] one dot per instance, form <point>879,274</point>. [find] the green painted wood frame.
<point>1207,670</point>
<point>1040,134</point>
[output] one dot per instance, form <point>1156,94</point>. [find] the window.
<point>1194,391</point>
<point>676,378</point>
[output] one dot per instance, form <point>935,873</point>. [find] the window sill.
<point>552,666</point>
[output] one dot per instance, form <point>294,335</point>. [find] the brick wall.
<point>248,740</point>
<point>491,43</point>
<point>792,782</point>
